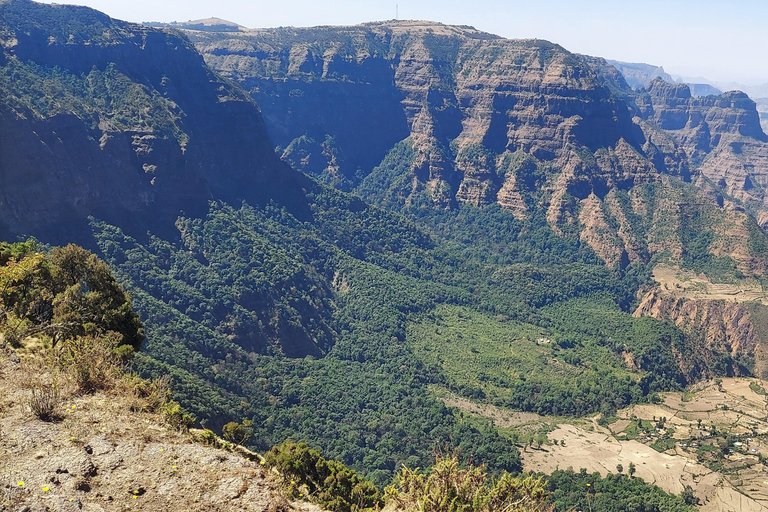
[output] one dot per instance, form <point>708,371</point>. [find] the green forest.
<point>330,332</point>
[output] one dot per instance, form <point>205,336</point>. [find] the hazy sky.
<point>717,39</point>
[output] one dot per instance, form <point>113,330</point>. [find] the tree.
<point>238,433</point>
<point>619,468</point>
<point>632,469</point>
<point>88,295</point>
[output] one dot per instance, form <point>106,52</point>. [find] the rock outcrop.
<point>464,99</point>
<point>103,455</point>
<point>720,327</point>
<point>639,75</point>
<point>718,138</point>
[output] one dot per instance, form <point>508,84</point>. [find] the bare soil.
<point>686,284</point>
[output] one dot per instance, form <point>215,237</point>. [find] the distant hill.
<point>639,75</point>
<point>703,90</point>
<point>204,25</point>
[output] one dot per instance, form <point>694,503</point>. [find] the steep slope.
<point>431,83</point>
<point>639,75</point>
<point>106,118</point>
<point>718,138</point>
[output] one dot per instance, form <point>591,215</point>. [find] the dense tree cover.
<point>365,402</point>
<point>614,493</point>
<point>301,326</point>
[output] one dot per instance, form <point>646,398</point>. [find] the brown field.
<point>740,483</point>
<point>687,284</point>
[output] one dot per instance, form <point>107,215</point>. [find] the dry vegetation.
<point>687,284</point>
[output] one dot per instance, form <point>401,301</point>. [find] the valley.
<point>395,240</point>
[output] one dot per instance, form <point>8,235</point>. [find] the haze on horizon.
<point>715,39</point>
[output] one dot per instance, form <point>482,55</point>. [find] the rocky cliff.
<point>464,99</point>
<point>723,327</point>
<point>639,75</point>
<point>718,138</point>
<point>417,113</point>
<point>120,121</point>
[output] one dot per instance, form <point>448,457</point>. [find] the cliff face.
<point>126,124</point>
<point>639,75</point>
<point>719,326</point>
<point>106,118</point>
<point>463,98</point>
<point>418,113</point>
<point>718,138</point>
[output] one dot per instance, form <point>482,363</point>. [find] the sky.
<point>725,41</point>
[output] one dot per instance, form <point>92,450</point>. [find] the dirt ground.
<point>501,417</point>
<point>101,456</point>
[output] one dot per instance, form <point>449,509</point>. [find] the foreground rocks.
<point>101,456</point>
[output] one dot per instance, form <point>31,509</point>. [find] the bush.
<point>448,487</point>
<point>176,417</point>
<point>328,483</point>
<point>45,401</point>
<point>91,361</point>
<point>237,433</point>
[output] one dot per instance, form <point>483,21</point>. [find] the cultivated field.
<point>712,439</point>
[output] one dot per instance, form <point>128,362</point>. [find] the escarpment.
<point>120,121</point>
<point>416,114</point>
<point>717,138</point>
<point>731,332</point>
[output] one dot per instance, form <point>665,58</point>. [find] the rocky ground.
<point>101,456</point>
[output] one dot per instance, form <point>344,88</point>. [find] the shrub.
<point>237,433</point>
<point>448,487</point>
<point>328,483</point>
<point>44,401</point>
<point>91,361</point>
<point>145,395</point>
<point>176,417</point>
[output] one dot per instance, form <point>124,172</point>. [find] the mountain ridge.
<point>146,165</point>
<point>467,111</point>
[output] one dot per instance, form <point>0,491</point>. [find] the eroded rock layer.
<point>417,113</point>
